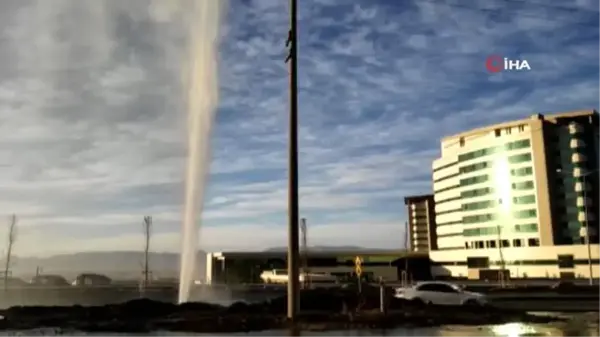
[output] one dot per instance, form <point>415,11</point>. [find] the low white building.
<point>246,267</point>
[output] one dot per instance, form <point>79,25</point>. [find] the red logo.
<point>494,63</point>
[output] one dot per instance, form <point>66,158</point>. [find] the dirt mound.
<point>331,308</point>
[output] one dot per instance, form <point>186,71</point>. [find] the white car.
<point>441,293</point>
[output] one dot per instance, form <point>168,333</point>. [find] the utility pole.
<point>293,294</point>
<point>11,240</point>
<point>305,271</point>
<point>408,250</point>
<point>146,271</point>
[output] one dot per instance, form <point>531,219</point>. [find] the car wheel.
<point>472,303</point>
<point>418,301</point>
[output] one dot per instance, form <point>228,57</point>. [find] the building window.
<point>498,132</point>
<point>462,142</point>
<point>474,167</point>
<point>533,242</point>
<point>476,193</point>
<point>566,261</point>
<point>519,144</point>
<point>524,185</point>
<point>505,244</point>
<point>478,218</point>
<point>531,213</point>
<point>478,205</point>
<point>520,172</point>
<point>517,243</point>
<point>521,127</point>
<point>478,262</point>
<point>528,228</point>
<point>508,131</point>
<point>492,243</point>
<point>519,158</point>
<point>526,199</point>
<point>474,180</point>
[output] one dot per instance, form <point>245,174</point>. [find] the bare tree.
<point>12,236</point>
<point>305,270</point>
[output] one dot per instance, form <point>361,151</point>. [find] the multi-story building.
<point>519,197</point>
<point>421,223</point>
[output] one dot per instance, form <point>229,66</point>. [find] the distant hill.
<point>118,265</point>
<point>326,249</point>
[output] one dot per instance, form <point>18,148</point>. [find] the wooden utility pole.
<point>293,293</point>
<point>12,236</point>
<point>146,271</point>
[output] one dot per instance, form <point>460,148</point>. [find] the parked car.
<point>91,280</point>
<point>49,280</point>
<point>281,276</point>
<point>441,293</point>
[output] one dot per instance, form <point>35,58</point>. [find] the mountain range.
<point>117,265</point>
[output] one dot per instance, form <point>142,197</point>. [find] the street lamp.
<point>584,232</point>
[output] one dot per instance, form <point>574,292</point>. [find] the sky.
<point>93,117</point>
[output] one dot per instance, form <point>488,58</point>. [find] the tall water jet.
<point>202,100</point>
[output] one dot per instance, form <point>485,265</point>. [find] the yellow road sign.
<point>358,265</point>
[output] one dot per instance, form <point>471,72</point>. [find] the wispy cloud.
<point>92,132</point>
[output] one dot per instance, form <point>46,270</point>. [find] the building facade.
<point>421,223</point>
<point>519,197</point>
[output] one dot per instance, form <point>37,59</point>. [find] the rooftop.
<point>549,117</point>
<point>417,198</point>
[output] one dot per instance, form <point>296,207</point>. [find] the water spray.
<point>202,100</point>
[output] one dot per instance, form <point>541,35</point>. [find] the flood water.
<point>579,324</point>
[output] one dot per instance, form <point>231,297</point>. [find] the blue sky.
<point>93,120</point>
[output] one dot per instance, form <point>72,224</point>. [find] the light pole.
<point>501,274</point>
<point>585,231</point>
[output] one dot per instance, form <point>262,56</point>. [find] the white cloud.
<point>92,120</point>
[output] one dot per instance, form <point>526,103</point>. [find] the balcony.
<point>577,172</point>
<point>575,128</point>
<point>581,201</point>
<point>581,216</point>
<point>577,143</point>
<point>578,158</point>
<point>579,187</point>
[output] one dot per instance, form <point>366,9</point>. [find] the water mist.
<point>202,99</point>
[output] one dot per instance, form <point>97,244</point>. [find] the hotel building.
<point>421,223</point>
<point>519,197</point>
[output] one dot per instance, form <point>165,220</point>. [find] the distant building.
<point>519,196</point>
<point>421,223</point>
